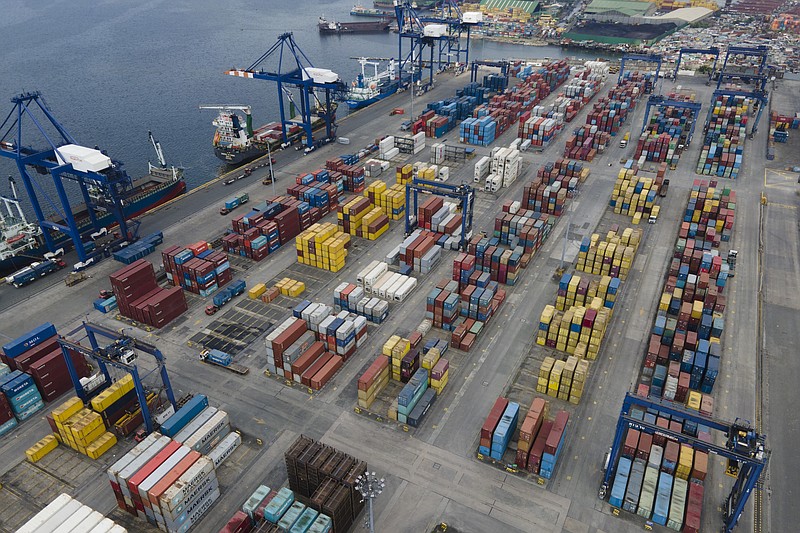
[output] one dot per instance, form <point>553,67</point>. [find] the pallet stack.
<point>323,246</point>
<point>325,479</point>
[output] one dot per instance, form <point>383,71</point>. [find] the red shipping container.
<point>493,419</point>
<point>326,372</point>
<point>305,379</point>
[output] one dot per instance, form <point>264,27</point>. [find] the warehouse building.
<point>617,10</point>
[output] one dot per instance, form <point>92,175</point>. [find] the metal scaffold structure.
<point>103,184</point>
<point>660,101</point>
<point>300,73</point>
<point>749,65</point>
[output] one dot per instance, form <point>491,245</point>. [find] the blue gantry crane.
<point>660,101</point>
<point>746,63</point>
<point>120,353</point>
<point>644,58</point>
<point>713,50</point>
<point>103,183</point>
<point>744,448</point>
<point>446,34</point>
<point>478,63</point>
<point>760,96</point>
<point>300,73</point>
<point>464,193</point>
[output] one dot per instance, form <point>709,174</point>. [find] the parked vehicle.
<point>225,295</point>
<point>233,203</point>
<point>35,271</point>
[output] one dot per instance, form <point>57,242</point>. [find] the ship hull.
<point>354,105</point>
<point>377,26</point>
<point>240,157</point>
<point>136,208</point>
<point>368,14</point>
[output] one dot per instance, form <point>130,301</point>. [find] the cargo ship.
<point>419,4</point>
<point>367,90</point>
<point>22,241</point>
<point>236,142</point>
<point>361,11</point>
<point>371,26</point>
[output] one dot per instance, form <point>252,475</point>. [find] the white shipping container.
<point>225,448</point>
<point>392,290</point>
<point>375,274</point>
<point>178,515</point>
<point>106,525</point>
<point>163,469</point>
<point>361,275</point>
<point>186,483</point>
<point>87,524</point>
<point>139,462</point>
<point>405,289</point>
<point>59,516</point>
<point>114,470</point>
<point>195,424</point>
<point>219,422</point>
<point>198,510</point>
<point>385,277</point>
<point>387,284</point>
<point>44,515</point>
<point>73,520</point>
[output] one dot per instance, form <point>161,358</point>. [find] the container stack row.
<point>360,218</point>
<point>85,430</point>
<point>269,225</point>
<point>414,400</point>
<point>64,512</point>
<point>486,261</point>
<point>578,331</point>
<point>576,290</point>
<point>352,298</point>
<point>170,479</point>
<point>391,200</point>
<point>324,479</point>
<point>419,252</point>
<point>323,246</point>
<point>38,354</point>
<point>723,146</point>
<point>539,441</point>
<point>410,144</point>
<point>555,183</point>
<point>197,268</point>
<point>345,170</point>
<point>685,352</point>
<point>666,133</point>
<point>660,480</point>
<point>635,191</point>
<point>274,511</point>
<point>139,249</point>
<point>611,256</point>
<point>522,227</point>
<point>141,299</point>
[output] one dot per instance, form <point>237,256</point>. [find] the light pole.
<point>271,174</point>
<point>370,487</point>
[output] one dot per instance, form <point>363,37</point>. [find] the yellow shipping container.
<point>40,449</point>
<point>100,446</point>
<point>297,289</point>
<point>257,291</point>
<point>117,390</point>
<point>67,409</point>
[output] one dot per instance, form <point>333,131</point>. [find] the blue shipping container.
<point>184,415</point>
<point>29,340</point>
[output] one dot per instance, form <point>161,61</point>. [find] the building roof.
<point>526,5</point>
<point>628,8</point>
<point>684,14</point>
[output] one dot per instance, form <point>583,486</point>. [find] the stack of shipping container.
<point>269,225</point>
<point>360,218</point>
<point>555,183</point>
<point>666,132</point>
<point>140,298</point>
<point>323,246</point>
<point>169,479</point>
<point>684,351</point>
<point>723,146</point>
<point>577,331</point>
<point>352,298</point>
<point>345,171</point>
<point>87,430</point>
<point>635,191</point>
<point>612,256</point>
<point>68,514</point>
<point>391,200</point>
<point>197,268</point>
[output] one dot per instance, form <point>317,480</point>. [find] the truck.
<point>662,191</point>
<point>233,203</point>
<point>36,270</point>
<point>225,295</point>
<point>223,359</point>
<point>73,278</point>
<point>625,138</point>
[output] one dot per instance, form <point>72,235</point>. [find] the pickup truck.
<point>233,203</point>
<point>225,295</point>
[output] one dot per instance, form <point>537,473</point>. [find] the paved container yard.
<point>432,474</point>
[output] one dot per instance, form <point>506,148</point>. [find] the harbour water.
<point>111,70</point>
